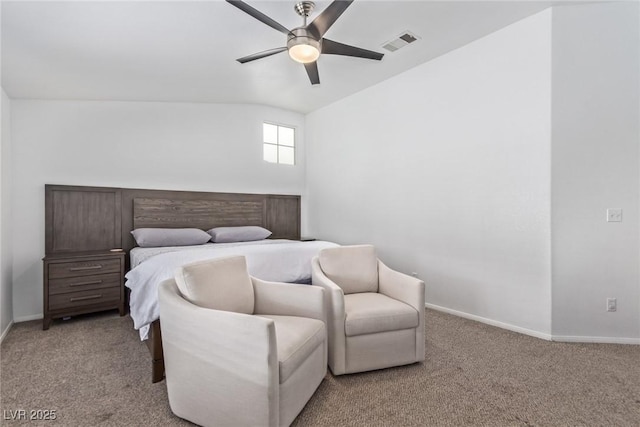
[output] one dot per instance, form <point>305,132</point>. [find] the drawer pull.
<point>84,298</point>
<point>91,267</point>
<point>95,282</point>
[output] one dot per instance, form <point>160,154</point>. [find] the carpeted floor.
<point>93,370</point>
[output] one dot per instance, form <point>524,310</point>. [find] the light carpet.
<point>93,370</point>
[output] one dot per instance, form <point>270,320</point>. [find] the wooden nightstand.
<point>82,282</point>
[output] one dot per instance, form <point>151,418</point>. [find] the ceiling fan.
<point>306,43</point>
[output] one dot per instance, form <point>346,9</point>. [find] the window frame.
<point>277,145</point>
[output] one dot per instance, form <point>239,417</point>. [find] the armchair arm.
<point>400,286</point>
<point>409,290</point>
<point>334,303</point>
<point>288,299</point>
<point>218,356</point>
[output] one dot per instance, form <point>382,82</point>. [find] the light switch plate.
<point>614,215</point>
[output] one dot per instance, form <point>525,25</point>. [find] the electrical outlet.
<point>612,304</point>
<point>614,215</point>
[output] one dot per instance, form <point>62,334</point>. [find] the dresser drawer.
<point>83,268</point>
<point>85,298</point>
<point>84,283</point>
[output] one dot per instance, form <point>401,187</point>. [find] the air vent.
<point>401,41</point>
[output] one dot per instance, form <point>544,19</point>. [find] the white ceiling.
<point>185,51</point>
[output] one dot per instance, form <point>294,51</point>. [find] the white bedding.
<point>138,255</point>
<point>273,260</point>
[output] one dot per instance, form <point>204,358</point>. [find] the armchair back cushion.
<point>353,268</point>
<point>219,284</point>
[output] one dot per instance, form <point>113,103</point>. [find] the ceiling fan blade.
<point>260,55</point>
<point>312,72</point>
<point>330,47</point>
<point>325,20</point>
<point>259,15</point>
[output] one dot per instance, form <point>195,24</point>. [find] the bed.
<point>276,260</point>
<point>79,219</point>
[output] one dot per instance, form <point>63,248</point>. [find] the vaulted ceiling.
<point>185,51</point>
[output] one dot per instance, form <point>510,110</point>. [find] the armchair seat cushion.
<point>296,338</point>
<point>369,313</point>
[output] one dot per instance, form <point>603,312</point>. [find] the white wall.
<point>203,147</point>
<point>446,169</point>
<point>595,166</point>
<point>6,256</point>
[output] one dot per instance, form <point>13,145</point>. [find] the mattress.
<point>273,260</point>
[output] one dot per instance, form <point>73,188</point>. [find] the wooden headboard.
<point>79,219</point>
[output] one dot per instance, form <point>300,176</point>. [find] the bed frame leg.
<point>157,370</point>
<point>154,342</point>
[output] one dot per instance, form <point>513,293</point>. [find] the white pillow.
<point>158,237</point>
<point>247,233</point>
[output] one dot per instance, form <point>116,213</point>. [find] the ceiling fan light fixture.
<point>303,49</point>
<point>304,53</point>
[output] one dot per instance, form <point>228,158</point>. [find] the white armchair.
<point>239,350</point>
<point>375,315</point>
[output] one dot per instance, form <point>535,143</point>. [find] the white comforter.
<point>273,260</point>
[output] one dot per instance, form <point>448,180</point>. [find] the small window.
<point>279,144</point>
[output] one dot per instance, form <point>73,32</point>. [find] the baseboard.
<point>595,340</point>
<point>28,318</point>
<point>6,331</point>
<point>491,322</point>
<point>536,334</point>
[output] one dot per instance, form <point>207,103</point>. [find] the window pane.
<point>286,155</point>
<point>270,133</point>
<point>286,136</point>
<point>271,153</point>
